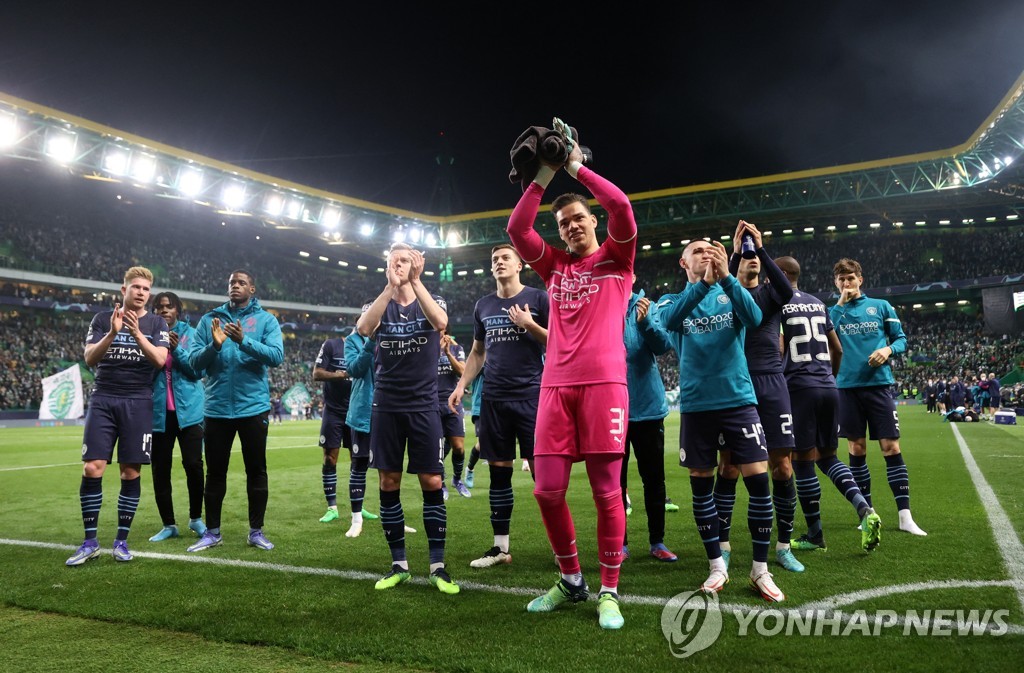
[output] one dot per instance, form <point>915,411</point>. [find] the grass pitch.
<point>310,604</point>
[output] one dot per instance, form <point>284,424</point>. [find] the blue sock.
<point>435,523</point>
<point>725,501</point>
<point>842,477</point>
<point>784,498</point>
<point>90,495</point>
<point>899,480</point>
<point>502,499</point>
<point>127,504</point>
<point>392,520</point>
<point>329,476</point>
<point>808,490</point>
<point>759,514</point>
<point>357,484</point>
<point>705,514</point>
<point>859,468</point>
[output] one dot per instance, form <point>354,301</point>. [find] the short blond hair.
<point>138,272</point>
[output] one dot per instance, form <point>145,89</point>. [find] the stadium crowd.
<point>88,243</point>
<point>39,343</point>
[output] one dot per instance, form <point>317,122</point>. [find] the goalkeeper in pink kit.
<point>584,402</point>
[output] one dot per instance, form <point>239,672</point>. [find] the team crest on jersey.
<point>871,310</point>
<point>85,447</point>
<point>723,299</point>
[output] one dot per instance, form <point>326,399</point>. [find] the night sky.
<point>364,101</point>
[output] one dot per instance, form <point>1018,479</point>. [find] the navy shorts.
<point>452,425</point>
<point>774,409</point>
<point>360,443</point>
<point>502,422</point>
<point>117,420</point>
<point>334,433</point>
<point>873,407</point>
<point>815,418</point>
<point>391,431</point>
<point>703,433</point>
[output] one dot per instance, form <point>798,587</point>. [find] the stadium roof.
<point>983,172</point>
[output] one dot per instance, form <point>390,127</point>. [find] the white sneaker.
<point>494,556</point>
<point>907,524</point>
<point>355,529</point>
<point>765,585</point>
<point>715,582</point>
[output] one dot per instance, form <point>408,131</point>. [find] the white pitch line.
<point>1006,537</point>
<point>830,603</point>
<point>37,467</point>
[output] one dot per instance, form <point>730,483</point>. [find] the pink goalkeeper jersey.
<point>588,296</point>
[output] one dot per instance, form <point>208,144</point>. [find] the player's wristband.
<point>573,167</point>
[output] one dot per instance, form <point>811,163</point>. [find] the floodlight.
<point>646,246</point>
<point>294,209</point>
<point>431,239</point>
<point>875,225</point>
<point>116,162</point>
<point>398,236</point>
<point>274,204</point>
<point>830,227</point>
<point>323,259</point>
<point>787,231</point>
<point>234,196</point>
<point>303,253</point>
<point>365,229</point>
<point>415,234</point>
<point>342,263</point>
<point>808,230</point>
<point>8,130</point>
<point>144,168</point>
<point>463,272</point>
<point>361,267</point>
<point>478,272</point>
<point>666,244</point>
<point>61,147</point>
<point>190,182</point>
<point>453,239</point>
<point>331,218</point>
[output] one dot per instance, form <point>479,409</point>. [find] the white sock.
<point>759,568</point>
<point>609,590</point>
<point>717,564</point>
<point>725,546</point>
<point>435,566</point>
<point>575,579</point>
<point>404,565</point>
<point>501,542</point>
<point>357,517</point>
<point>779,546</point>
